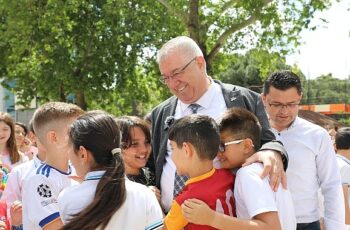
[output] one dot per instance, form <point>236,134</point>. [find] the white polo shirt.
<point>15,180</point>
<point>140,210</point>
<point>39,196</point>
<point>312,165</point>
<point>212,104</point>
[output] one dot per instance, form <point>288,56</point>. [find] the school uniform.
<point>39,196</point>
<point>214,188</point>
<point>254,196</point>
<point>140,210</point>
<point>15,180</point>
<point>344,166</point>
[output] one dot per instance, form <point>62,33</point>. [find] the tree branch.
<point>179,14</point>
<point>235,27</point>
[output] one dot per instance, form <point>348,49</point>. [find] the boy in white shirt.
<point>342,146</point>
<point>257,206</point>
<point>40,190</point>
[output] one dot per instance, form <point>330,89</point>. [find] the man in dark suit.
<point>183,70</point>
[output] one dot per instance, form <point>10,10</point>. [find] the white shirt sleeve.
<point>330,184</point>
<point>40,201</point>
<point>12,190</point>
<point>253,195</point>
<point>345,173</point>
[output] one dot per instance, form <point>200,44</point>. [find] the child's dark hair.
<point>24,127</point>
<point>282,80</point>
<point>199,130</point>
<point>342,138</point>
<point>241,124</point>
<point>126,123</point>
<point>98,132</point>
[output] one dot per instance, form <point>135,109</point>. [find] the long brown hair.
<point>11,142</point>
<point>98,132</point>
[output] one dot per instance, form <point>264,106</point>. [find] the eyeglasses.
<point>281,106</point>
<point>165,79</point>
<point>222,145</point>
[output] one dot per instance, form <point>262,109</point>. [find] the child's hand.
<point>16,213</point>
<point>197,212</point>
<point>156,192</point>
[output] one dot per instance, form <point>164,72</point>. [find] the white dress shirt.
<point>212,103</point>
<point>312,165</point>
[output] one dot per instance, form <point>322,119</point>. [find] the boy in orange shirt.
<point>194,142</point>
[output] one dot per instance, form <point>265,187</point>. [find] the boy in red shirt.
<point>194,142</point>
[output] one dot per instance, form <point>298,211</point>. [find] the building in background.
<point>8,105</point>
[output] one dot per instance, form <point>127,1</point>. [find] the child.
<point>22,142</point>
<point>342,146</point>
<point>136,150</point>
<point>194,142</point>
<point>256,203</point>
<point>10,156</point>
<point>13,190</point>
<point>41,189</point>
<point>105,199</point>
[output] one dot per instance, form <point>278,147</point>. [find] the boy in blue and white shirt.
<point>41,189</point>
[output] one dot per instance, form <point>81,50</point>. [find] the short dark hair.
<point>282,80</point>
<point>342,138</point>
<point>199,130</point>
<point>241,124</point>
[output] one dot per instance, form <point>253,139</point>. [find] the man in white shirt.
<point>312,162</point>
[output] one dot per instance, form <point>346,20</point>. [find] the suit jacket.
<point>235,96</point>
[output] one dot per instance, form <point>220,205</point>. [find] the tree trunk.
<point>81,99</point>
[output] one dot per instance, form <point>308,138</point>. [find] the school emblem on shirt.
<point>44,191</point>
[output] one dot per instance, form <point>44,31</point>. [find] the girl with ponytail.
<point>105,199</point>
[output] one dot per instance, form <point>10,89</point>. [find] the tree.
<point>240,24</point>
<point>93,50</point>
<point>326,89</point>
<point>249,69</point>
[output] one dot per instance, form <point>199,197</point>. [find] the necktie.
<point>180,181</point>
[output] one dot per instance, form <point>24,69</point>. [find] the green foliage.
<point>250,69</point>
<point>326,90</point>
<point>232,25</point>
<point>91,49</point>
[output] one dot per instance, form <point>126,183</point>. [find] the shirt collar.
<point>94,175</point>
<point>205,100</point>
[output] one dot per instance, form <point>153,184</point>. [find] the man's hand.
<point>197,212</point>
<point>273,166</point>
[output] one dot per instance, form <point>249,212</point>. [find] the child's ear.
<point>84,154</point>
<point>248,146</point>
<point>51,137</point>
<point>188,149</point>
